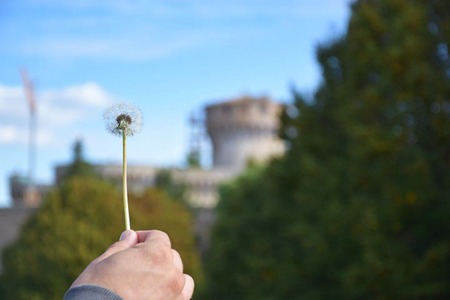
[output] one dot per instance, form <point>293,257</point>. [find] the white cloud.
<point>66,46</point>
<point>8,134</point>
<point>144,44</point>
<point>59,111</point>
<point>12,102</point>
<point>89,94</point>
<point>7,93</point>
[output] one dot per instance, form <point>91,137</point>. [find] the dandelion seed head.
<point>123,118</point>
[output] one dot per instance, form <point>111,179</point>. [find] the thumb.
<point>127,239</point>
<point>129,236</point>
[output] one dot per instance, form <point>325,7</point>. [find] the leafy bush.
<point>75,224</point>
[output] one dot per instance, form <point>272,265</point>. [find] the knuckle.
<point>189,285</point>
<point>164,237</point>
<point>161,254</point>
<point>176,283</point>
<point>176,258</point>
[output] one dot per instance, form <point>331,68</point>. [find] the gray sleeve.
<point>90,292</point>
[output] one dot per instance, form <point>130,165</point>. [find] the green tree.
<point>164,180</point>
<point>75,224</point>
<point>79,165</point>
<point>245,242</point>
<point>359,206</point>
<point>193,159</point>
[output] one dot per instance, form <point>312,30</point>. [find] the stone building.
<point>25,201</point>
<point>243,129</point>
<point>11,220</point>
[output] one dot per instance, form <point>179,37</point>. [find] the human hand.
<point>141,265</point>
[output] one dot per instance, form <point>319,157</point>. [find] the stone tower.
<point>243,129</point>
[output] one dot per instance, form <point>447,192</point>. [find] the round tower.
<point>243,129</point>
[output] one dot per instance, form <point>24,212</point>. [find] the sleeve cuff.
<point>90,292</point>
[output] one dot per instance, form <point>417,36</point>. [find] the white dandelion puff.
<point>123,118</point>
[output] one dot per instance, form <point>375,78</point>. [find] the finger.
<point>188,289</point>
<point>127,240</point>
<point>153,236</point>
<point>128,236</point>
<point>177,260</point>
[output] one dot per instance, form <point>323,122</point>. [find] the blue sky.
<point>169,57</point>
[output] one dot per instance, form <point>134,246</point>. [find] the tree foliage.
<point>193,159</point>
<point>75,224</point>
<point>79,165</point>
<point>359,206</point>
<point>176,190</point>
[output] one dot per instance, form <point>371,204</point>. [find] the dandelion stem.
<point>123,120</point>
<point>124,181</point>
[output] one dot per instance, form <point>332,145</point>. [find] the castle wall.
<point>11,222</point>
<point>203,184</point>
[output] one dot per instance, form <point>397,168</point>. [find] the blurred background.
<point>297,150</point>
<point>170,58</point>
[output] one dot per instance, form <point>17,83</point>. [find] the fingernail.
<point>125,235</point>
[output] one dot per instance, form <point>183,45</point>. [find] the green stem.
<point>124,181</point>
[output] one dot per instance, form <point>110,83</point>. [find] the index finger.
<point>153,235</point>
